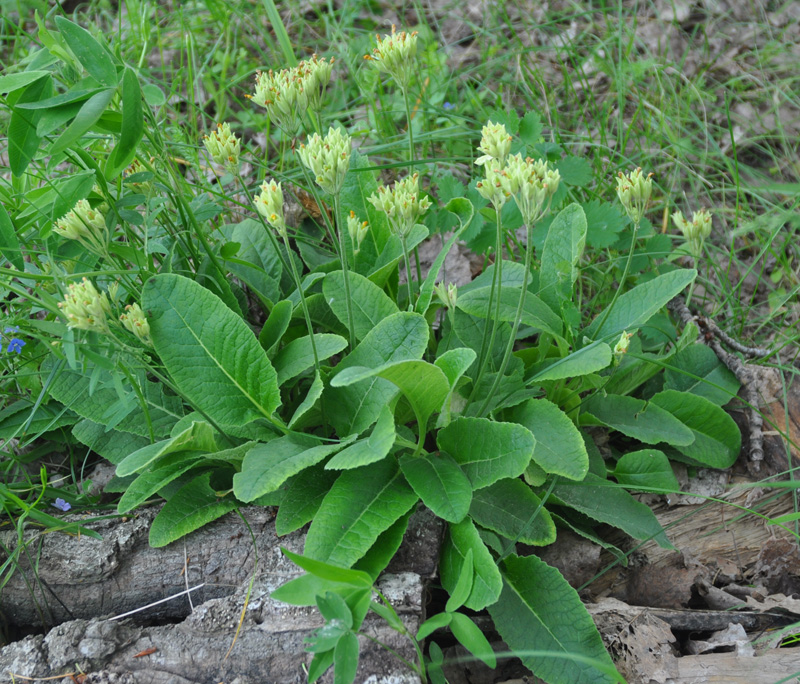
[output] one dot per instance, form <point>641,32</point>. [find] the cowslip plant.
<point>220,354</point>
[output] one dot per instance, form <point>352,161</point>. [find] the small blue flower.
<point>61,505</point>
<point>11,329</point>
<point>448,106</point>
<point>15,345</point>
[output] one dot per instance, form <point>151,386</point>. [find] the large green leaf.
<point>87,116</point>
<point>276,325</point>
<point>402,336</point>
<point>635,307</point>
<point>609,503</point>
<point>210,352</point>
<point>534,312</point>
<point>697,369</point>
<point>538,610</point>
<point>563,248</point>
<point>645,421</point>
<point>454,363</point>
<point>369,304</point>
<point>486,450</point>
<point>424,385</point>
<point>92,56</point>
<point>132,125</point>
<point>590,359</point>
<point>359,507</point>
<point>192,506</point>
<point>111,445</point>
<point>298,355</point>
<point>267,466</point>
<point>486,583</point>
<point>359,184</point>
<point>23,140</point>
<point>196,437</point>
<point>256,262</point>
<point>303,496</point>
<point>560,448</point>
<point>12,82</point>
<point>168,468</point>
<point>9,244</point>
<point>369,450</point>
<point>441,484</point>
<point>717,439</point>
<point>45,417</point>
<point>511,509</point>
<point>385,548</point>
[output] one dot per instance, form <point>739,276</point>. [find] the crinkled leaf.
<point>369,304</point>
<point>486,583</point>
<point>441,484</point>
<point>365,451</point>
<point>645,421</point>
<point>298,355</point>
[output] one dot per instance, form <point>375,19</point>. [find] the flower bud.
<point>695,231</point>
<point>328,159</point>
<point>447,296</point>
<point>621,347</point>
<point>357,231</point>
<point>493,187</point>
<point>634,190</point>
<point>495,144</point>
<point>269,204</point>
<point>402,204</point>
<point>224,147</point>
<point>134,321</point>
<point>532,183</point>
<point>395,55</point>
<point>86,225</point>
<point>85,308</point>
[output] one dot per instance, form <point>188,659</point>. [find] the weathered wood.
<point>81,577</point>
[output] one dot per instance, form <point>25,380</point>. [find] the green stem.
<point>346,272</point>
<point>517,319</point>
<point>622,281</point>
<point>496,280</point>
<point>307,315</point>
<point>411,159</point>
<point>408,273</point>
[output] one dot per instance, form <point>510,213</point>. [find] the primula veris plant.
<point>221,352</point>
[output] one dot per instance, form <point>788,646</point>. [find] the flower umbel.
<point>269,203</point>
<point>328,158</point>
<point>224,147</point>
<point>492,186</point>
<point>85,308</point>
<point>533,184</point>
<point>357,231</point>
<point>134,321</point>
<point>402,204</point>
<point>633,190</point>
<point>495,144</point>
<point>395,55</point>
<point>86,225</point>
<point>695,231</point>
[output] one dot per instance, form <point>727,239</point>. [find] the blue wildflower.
<point>15,345</point>
<point>448,106</point>
<point>11,329</point>
<point>61,505</point>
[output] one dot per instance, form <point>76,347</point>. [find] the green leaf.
<point>563,249</point>
<point>360,184</point>
<point>9,244</point>
<point>276,325</point>
<point>511,509</point>
<point>608,503</point>
<point>345,659</point>
<point>402,336</point>
<point>298,355</point>
<point>534,313</point>
<point>441,484</point>
<point>645,421</point>
<point>486,582</point>
<point>454,363</point>
<point>12,82</point>
<point>210,352</point>
<point>147,484</point>
<point>463,210</point>
<point>319,665</point>
<point>87,116</point>
<point>46,417</point>
<point>302,498</point>
<point>530,128</point>
<point>199,436</point>
<point>132,126</point>
<point>359,507</point>
<point>365,451</point>
<point>635,307</point>
<point>369,304</point>
<point>717,439</point>
<point>257,263</point>
<point>333,607</point>
<point>486,450</point>
<point>560,448</point>
<point>462,589</point>
<point>313,395</point>
<point>645,469</point>
<point>575,171</point>
<point>23,140</point>
<point>385,548</point>
<point>112,445</point>
<point>589,359</point>
<point>441,619</point>
<point>471,638</point>
<point>697,369</point>
<point>329,572</point>
<point>539,610</point>
<point>92,56</point>
<point>604,222</point>
<point>423,384</point>
<point>192,506</point>
<point>267,466</point>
